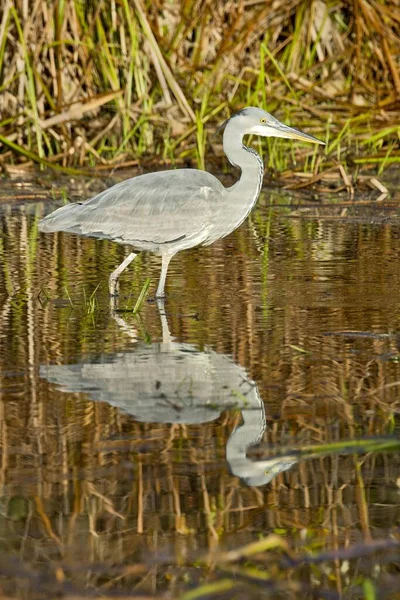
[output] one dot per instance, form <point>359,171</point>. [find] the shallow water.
<point>147,442</point>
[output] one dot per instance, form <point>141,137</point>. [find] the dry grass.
<point>99,83</point>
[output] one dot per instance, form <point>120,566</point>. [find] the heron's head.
<point>255,121</point>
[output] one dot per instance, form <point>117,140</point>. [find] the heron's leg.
<point>164,268</point>
<point>113,279</point>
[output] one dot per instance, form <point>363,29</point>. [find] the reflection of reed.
<point>85,471</point>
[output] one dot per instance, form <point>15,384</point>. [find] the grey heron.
<point>168,211</point>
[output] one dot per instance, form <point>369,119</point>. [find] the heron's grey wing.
<point>157,208</point>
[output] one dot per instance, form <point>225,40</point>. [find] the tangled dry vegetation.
<point>107,83</point>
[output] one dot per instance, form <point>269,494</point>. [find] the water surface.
<point>132,445</point>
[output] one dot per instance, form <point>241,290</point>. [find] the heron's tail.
<point>66,218</point>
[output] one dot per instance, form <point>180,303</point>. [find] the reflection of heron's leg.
<point>113,280</point>
<point>130,331</point>
<point>164,268</point>
<point>166,335</point>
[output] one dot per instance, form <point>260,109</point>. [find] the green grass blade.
<point>142,296</point>
<point>31,89</point>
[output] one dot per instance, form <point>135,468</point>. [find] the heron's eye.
<point>263,121</point>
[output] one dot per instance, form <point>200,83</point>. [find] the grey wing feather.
<point>152,209</point>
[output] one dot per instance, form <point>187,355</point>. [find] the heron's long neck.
<point>249,162</point>
<point>246,435</point>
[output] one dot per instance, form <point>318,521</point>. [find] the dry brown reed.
<point>99,83</point>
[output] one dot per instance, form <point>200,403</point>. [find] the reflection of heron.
<point>168,211</point>
<point>173,382</point>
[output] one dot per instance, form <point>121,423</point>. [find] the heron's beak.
<point>221,127</point>
<point>278,129</point>
<point>295,134</point>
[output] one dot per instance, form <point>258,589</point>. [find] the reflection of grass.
<point>349,446</point>
<point>6,269</point>
<point>91,303</point>
<point>68,297</point>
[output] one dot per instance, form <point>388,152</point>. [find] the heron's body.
<point>169,211</point>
